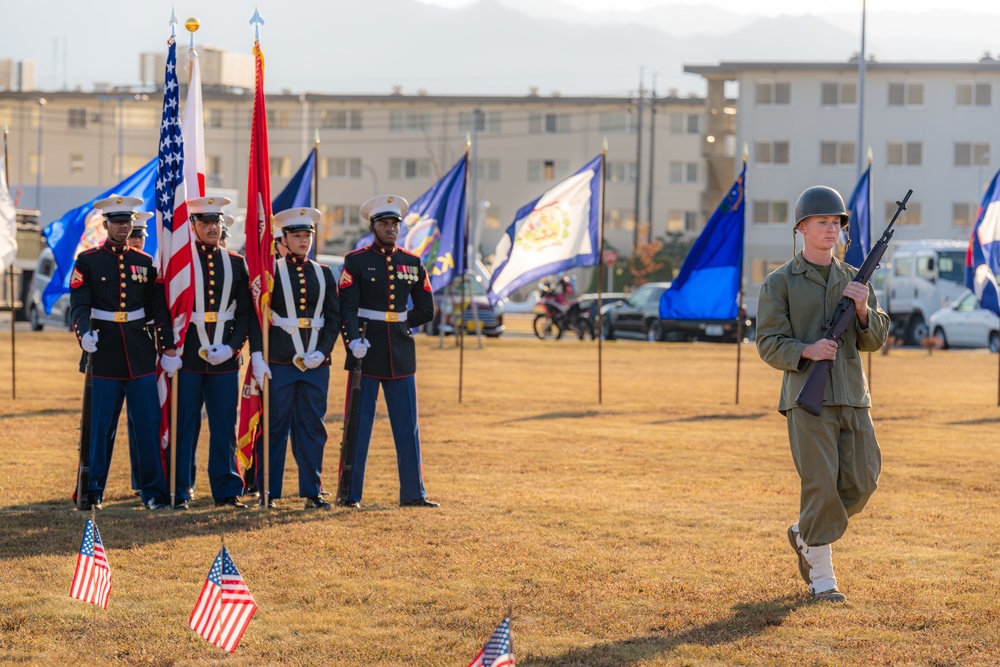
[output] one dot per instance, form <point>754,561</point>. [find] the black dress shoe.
<point>270,503</point>
<point>419,502</point>
<point>180,505</point>
<point>316,503</point>
<point>354,504</point>
<point>231,501</point>
<point>93,502</point>
<point>155,504</point>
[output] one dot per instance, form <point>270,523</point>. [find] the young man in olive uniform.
<point>305,320</point>
<point>112,296</point>
<point>210,376</point>
<point>375,285</point>
<point>836,454</point>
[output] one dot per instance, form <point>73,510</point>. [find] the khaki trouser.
<point>838,460</point>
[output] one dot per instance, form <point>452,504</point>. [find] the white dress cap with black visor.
<point>384,207</point>
<point>297,220</point>
<point>117,208</point>
<point>207,209</point>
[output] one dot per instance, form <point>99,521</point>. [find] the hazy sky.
<point>777,7</point>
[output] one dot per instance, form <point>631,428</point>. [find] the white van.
<point>60,315</point>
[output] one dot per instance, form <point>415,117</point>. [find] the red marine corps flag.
<point>259,255</point>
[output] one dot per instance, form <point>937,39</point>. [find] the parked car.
<point>335,262</point>
<point>637,315</point>
<point>60,315</point>
<point>966,324</point>
<point>447,314</point>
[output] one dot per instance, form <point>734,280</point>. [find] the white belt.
<point>300,323</point>
<point>120,316</point>
<point>381,315</point>
<point>212,316</point>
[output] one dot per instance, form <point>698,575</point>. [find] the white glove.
<point>170,364</point>
<point>359,347</point>
<point>259,367</point>
<point>314,359</point>
<point>89,341</point>
<point>218,354</point>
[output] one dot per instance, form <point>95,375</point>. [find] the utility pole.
<point>638,162</point>
<point>652,159</point>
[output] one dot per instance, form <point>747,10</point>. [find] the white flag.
<point>193,129</point>
<point>8,222</point>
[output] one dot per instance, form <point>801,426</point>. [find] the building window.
<point>620,218</point>
<point>213,171</point>
<point>281,167</point>
<point>911,216</point>
<point>406,169</point>
<point>906,94</point>
<point>774,93</point>
<point>540,171</point>
<point>215,118</point>
<point>488,171</point>
<point>836,152</point>
<point>682,221</point>
<point>766,210</point>
<point>760,268</point>
<point>683,173</point>
<point>341,119</point>
<point>770,152</point>
<point>409,121</point>
<point>77,118</point>
<point>75,165</point>
<point>617,122</point>
<point>277,119</point>
<point>909,153</point>
<point>971,155</point>
<point>685,123</point>
<point>621,172</point>
<point>973,94</point>
<point>838,94</point>
<point>489,121</point>
<point>548,123</point>
<point>340,167</point>
<point>963,214</point>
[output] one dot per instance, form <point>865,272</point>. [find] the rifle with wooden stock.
<point>83,474</point>
<point>810,397</point>
<point>348,441</point>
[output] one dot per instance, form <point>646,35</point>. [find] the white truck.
<point>921,278</point>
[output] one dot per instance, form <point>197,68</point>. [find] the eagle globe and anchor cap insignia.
<point>544,227</point>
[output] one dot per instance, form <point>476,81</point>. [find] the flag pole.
<point>173,439</point>
<point>869,245</point>
<point>464,263</point>
<point>740,311</point>
<point>600,277</point>
<point>315,198</point>
<point>13,309</point>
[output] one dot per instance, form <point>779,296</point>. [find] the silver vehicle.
<point>966,324</point>
<point>60,315</point>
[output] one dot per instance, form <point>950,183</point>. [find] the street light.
<point>38,160</point>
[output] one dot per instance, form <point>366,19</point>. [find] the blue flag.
<point>83,228</point>
<point>982,261</point>
<point>434,228</point>
<point>859,232</point>
<point>556,232</point>
<point>709,280</point>
<point>298,192</point>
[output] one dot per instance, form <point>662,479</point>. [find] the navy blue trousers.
<point>143,410</point>
<point>113,432</point>
<point>297,408</point>
<point>219,393</point>
<point>401,400</point>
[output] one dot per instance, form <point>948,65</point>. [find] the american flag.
<point>498,651</point>
<point>92,579</point>
<point>225,606</point>
<point>174,231</point>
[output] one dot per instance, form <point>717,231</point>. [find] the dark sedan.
<point>637,315</point>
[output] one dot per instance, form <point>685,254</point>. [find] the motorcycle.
<point>560,315</point>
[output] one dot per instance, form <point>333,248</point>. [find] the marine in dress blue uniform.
<point>113,293</point>
<point>376,286</point>
<point>210,374</point>
<point>305,321</point>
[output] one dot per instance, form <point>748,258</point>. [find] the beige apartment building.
<point>398,143</point>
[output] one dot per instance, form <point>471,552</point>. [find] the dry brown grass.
<point>648,530</point>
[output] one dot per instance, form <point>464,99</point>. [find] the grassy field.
<point>648,529</point>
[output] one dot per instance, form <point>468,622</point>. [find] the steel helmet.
<point>821,200</point>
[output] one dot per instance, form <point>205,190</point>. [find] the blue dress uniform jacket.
<point>237,329</point>
<point>305,290</point>
<point>119,279</point>
<point>384,278</point>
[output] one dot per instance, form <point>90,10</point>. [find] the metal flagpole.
<point>638,163</point>
<point>13,299</point>
<point>869,245</point>
<point>317,249</point>
<point>464,263</point>
<point>652,160</point>
<point>740,311</point>
<point>600,271</point>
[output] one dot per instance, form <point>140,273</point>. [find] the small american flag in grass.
<point>92,579</point>
<point>225,606</point>
<point>498,651</point>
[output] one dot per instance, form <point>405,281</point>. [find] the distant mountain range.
<point>500,47</point>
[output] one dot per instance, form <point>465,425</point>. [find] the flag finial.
<point>256,21</point>
<point>173,21</point>
<point>316,137</point>
<point>869,155</point>
<point>746,152</point>
<point>192,25</point>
